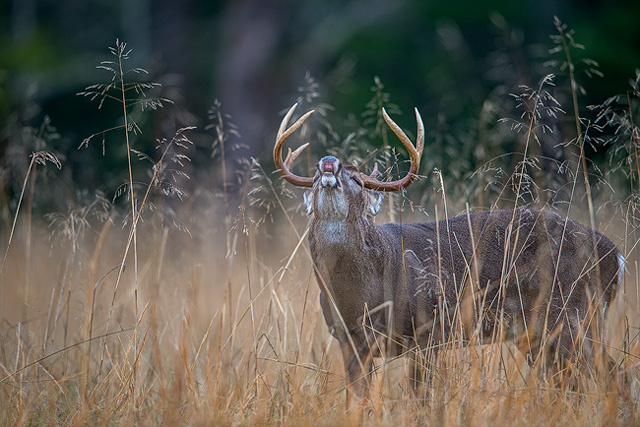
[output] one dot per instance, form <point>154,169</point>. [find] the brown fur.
<point>398,286</point>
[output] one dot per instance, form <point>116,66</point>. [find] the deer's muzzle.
<point>329,168</point>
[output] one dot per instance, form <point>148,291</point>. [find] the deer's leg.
<point>568,348</point>
<point>581,344</point>
<point>529,346</point>
<point>358,366</point>
<point>420,372</point>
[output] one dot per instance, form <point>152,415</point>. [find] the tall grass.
<point>136,324</point>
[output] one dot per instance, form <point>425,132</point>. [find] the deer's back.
<point>522,260</point>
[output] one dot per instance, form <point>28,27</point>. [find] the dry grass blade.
<point>40,157</point>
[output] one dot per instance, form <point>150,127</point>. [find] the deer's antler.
<point>415,153</point>
<point>283,134</point>
<point>370,181</point>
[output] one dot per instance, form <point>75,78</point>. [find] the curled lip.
<point>328,166</point>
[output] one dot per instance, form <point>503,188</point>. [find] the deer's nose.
<point>329,164</point>
<point>329,167</point>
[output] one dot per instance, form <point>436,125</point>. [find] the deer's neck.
<point>343,249</point>
<point>351,258</point>
<point>342,234</point>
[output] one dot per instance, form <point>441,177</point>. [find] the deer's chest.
<point>333,235</point>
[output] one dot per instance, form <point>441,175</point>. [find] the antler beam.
<point>283,134</point>
<point>415,154</point>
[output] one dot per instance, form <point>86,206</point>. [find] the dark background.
<point>455,60</point>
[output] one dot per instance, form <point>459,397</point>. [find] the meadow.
<point>161,307</point>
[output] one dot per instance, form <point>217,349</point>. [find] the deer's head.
<point>340,190</point>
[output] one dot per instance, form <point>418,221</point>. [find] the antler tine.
<point>283,134</point>
<point>415,154</point>
<point>420,134</point>
<point>375,171</point>
<point>292,156</point>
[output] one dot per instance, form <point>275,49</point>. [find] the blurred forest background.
<point>511,93</point>
<point>456,61</point>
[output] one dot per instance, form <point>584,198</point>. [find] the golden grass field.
<point>200,338</point>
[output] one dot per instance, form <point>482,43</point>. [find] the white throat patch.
<point>328,180</point>
<point>331,205</point>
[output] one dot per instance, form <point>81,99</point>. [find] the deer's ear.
<point>308,201</point>
<point>375,202</point>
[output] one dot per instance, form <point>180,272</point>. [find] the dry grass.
<point>264,357</point>
<point>112,322</point>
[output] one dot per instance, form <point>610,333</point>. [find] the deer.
<point>532,276</point>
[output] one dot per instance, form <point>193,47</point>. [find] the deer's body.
<point>534,276</point>
<point>515,263</point>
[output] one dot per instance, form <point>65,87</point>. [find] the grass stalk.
<point>38,157</point>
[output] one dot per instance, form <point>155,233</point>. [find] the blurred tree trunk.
<point>248,40</point>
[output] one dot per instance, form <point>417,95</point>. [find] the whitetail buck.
<point>533,276</point>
